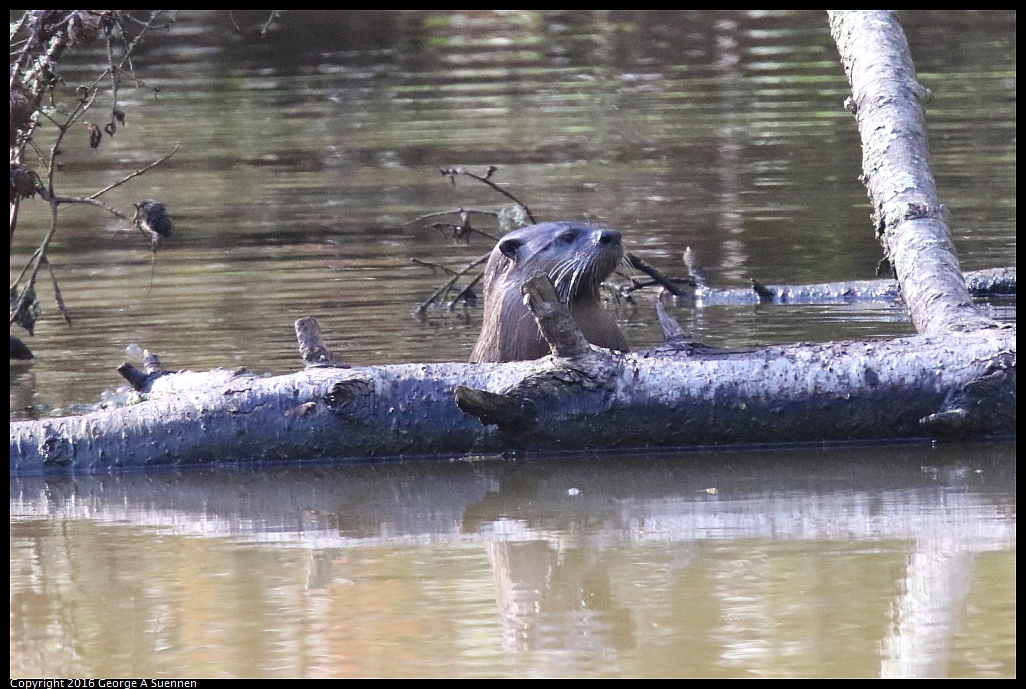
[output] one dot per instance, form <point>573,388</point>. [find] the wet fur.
<point>577,257</point>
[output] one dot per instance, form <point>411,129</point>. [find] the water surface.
<point>760,564</point>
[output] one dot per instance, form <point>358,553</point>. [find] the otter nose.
<point>611,237</point>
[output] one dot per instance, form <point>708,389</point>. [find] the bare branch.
<point>454,211</point>
<point>93,202</point>
<point>57,292</point>
<point>462,294</point>
<point>671,286</point>
<point>135,174</point>
<point>437,296</point>
<point>33,82</point>
<point>275,14</point>
<point>452,172</point>
<point>433,266</point>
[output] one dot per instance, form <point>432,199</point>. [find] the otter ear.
<point>509,248</point>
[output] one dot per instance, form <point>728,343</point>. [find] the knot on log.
<point>56,449</point>
<point>594,371</point>
<point>503,410</point>
<point>558,389</point>
<point>979,407</point>
<point>352,399</point>
<point>902,211</point>
<point>889,216</point>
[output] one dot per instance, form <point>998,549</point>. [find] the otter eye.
<point>567,237</point>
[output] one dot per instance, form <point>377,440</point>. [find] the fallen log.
<point>991,283</point>
<point>953,386</point>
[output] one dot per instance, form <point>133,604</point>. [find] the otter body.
<point>577,258</point>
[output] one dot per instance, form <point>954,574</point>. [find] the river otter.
<point>577,258</point>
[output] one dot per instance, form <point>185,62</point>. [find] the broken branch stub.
<point>311,345</point>
<point>578,380</point>
<point>557,326</point>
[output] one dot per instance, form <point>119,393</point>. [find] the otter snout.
<point>609,237</point>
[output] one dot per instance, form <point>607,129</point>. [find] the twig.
<point>463,292</point>
<point>433,266</point>
<point>17,25</point>
<point>36,261</point>
<point>93,202</point>
<point>462,231</point>
<point>452,172</point>
<point>51,163</point>
<point>275,14</point>
<point>454,211</point>
<point>135,174</point>
<point>15,206</point>
<point>57,292</point>
<point>25,269</point>
<point>639,264</point>
<point>114,71</point>
<point>452,281</point>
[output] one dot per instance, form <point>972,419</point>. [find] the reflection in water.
<point>834,565</point>
<point>928,612</point>
<point>556,599</point>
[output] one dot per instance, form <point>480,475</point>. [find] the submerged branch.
<point>438,295</point>
<point>671,285</point>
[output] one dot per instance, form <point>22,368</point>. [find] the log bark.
<point>982,284</point>
<point>910,220</point>
<point>961,384</point>
<point>956,379</point>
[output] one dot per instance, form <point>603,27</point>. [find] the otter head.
<point>577,258</point>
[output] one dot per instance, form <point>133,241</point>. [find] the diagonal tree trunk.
<point>910,220</point>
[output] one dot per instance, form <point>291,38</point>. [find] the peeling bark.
<point>958,385</point>
<point>910,220</point>
<point>982,284</point>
